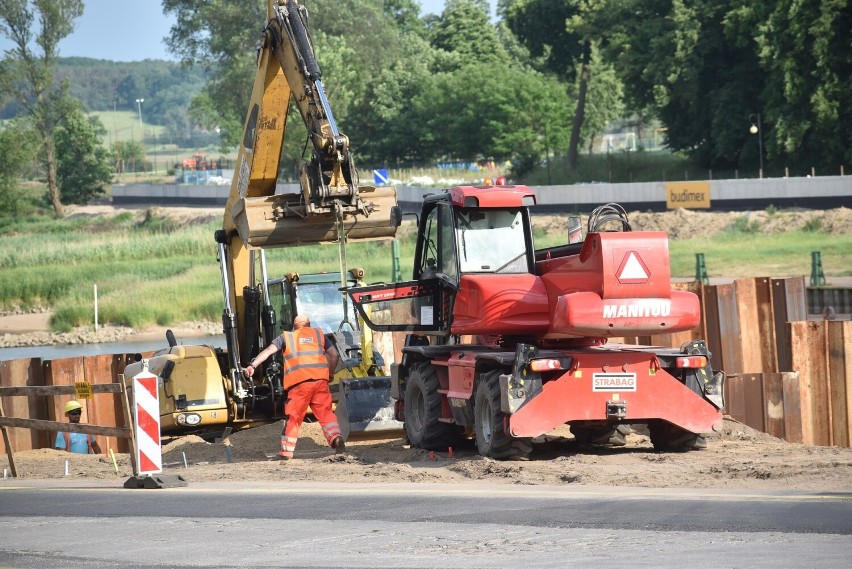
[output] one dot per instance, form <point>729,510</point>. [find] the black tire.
<point>492,440</point>
<point>601,434</point>
<point>668,437</point>
<point>423,426</point>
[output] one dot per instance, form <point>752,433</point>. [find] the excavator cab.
<point>361,382</point>
<point>317,295</point>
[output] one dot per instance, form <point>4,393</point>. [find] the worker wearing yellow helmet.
<point>80,443</point>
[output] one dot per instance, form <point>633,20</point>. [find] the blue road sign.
<point>380,176</point>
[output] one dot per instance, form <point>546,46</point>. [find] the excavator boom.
<point>204,390</point>
<point>329,201</point>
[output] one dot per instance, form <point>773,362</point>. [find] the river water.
<point>59,351</point>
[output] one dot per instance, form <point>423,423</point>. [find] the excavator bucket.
<point>366,405</point>
<point>284,219</point>
<point>366,408</point>
<point>370,406</point>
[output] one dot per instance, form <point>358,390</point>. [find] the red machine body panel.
<point>619,284</point>
<point>496,304</point>
<point>631,378</point>
<point>505,196</point>
<point>613,265</point>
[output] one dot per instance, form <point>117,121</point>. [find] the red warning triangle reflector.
<point>633,269</point>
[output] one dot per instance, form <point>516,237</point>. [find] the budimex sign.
<point>688,195</point>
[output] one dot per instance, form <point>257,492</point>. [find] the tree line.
<point>545,77</point>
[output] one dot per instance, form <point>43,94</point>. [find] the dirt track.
<point>736,458</point>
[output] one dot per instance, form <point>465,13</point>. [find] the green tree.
<point>391,122</point>
<point>708,67</point>
<point>222,36</point>
<point>27,75</point>
<point>406,15</point>
<point>17,151</point>
<point>604,101</point>
<point>127,155</point>
<point>805,50</point>
<point>84,167</point>
<point>464,36</point>
<point>532,107</point>
<point>543,27</point>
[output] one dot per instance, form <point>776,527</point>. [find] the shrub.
<point>743,224</point>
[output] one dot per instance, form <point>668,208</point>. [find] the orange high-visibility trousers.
<point>313,394</point>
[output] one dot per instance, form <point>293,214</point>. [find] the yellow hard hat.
<point>71,406</point>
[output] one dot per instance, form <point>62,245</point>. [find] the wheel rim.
<point>417,412</point>
<point>483,420</point>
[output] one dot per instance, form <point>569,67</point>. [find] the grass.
<point>146,273</point>
<point>749,254</point>
<point>125,126</point>
<point>153,272</point>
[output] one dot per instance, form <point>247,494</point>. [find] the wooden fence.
<point>105,408</point>
<point>787,376</point>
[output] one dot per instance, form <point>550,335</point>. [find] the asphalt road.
<point>319,525</point>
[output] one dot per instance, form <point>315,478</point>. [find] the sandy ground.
<point>33,329</point>
<point>738,457</point>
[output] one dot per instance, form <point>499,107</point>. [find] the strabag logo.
<point>608,382</point>
<point>639,309</point>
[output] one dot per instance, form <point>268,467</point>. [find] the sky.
<point>134,31</point>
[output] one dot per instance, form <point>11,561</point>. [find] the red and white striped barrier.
<point>146,415</point>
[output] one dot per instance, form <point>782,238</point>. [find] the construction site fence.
<point>787,376</point>
<point>33,393</point>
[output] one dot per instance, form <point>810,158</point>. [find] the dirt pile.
<point>736,457</point>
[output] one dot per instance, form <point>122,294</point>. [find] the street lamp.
<point>141,125</point>
<point>757,128</point>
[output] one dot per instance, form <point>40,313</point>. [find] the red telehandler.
<point>505,342</point>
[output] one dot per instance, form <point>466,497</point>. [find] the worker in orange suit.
<point>309,362</point>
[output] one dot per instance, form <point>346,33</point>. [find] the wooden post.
<point>730,344</point>
<point>789,304</point>
<point>774,409</point>
<point>735,397</point>
<point>128,421</point>
<point>840,374</point>
<point>8,445</point>
<point>750,342</point>
<point>752,390</point>
<point>809,350</point>
<point>766,328</point>
<point>792,407</point>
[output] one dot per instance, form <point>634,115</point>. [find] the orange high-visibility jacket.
<point>304,356</point>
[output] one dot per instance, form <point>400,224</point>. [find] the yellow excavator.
<point>203,389</point>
